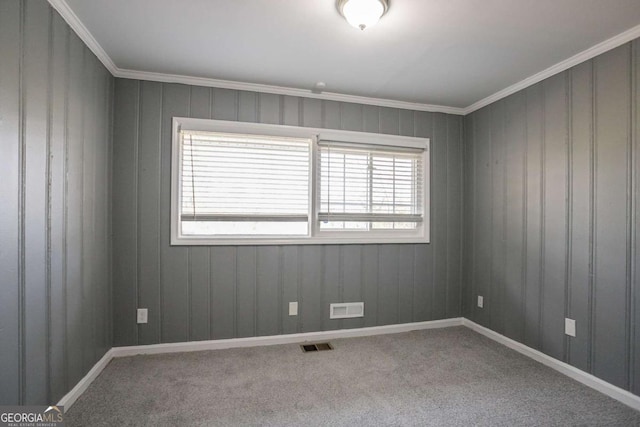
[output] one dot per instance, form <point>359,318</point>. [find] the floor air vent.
<point>316,347</point>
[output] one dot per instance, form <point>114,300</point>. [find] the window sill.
<point>191,241</point>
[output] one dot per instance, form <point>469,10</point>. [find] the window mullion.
<point>193,175</point>
<point>370,186</point>
<point>315,169</point>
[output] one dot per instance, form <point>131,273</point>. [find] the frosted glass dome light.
<point>363,13</point>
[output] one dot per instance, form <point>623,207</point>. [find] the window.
<point>369,187</point>
<point>244,183</point>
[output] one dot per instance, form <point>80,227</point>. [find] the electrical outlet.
<point>143,315</point>
<point>293,308</point>
<point>570,327</point>
<point>480,301</point>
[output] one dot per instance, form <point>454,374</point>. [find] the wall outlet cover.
<point>293,308</point>
<point>480,301</point>
<point>570,327</point>
<point>143,315</point>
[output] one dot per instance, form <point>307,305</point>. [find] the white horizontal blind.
<point>364,187</point>
<point>243,184</point>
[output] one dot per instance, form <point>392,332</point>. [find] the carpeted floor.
<point>440,377</point>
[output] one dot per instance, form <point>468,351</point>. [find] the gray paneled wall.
<point>55,124</point>
<point>551,219</point>
<point>551,179</point>
<point>199,293</point>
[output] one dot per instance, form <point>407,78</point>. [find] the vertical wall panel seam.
<point>209,320</point>
<point>136,207</point>
<point>109,194</point>
<point>82,248</point>
<point>593,216</point>
<point>469,150</point>
<point>323,295</point>
<point>543,182</point>
<point>489,288</point>
<point>257,99</point>
<point>432,220</point>
<point>280,288</point>
<point>159,218</point>
<point>413,278</point>
<point>398,306</point>
<point>635,195</point>
<point>474,307</point>
<point>415,124</point>
<point>569,206</point>
<point>65,221</point>
<point>446,227</point>
<point>634,211</point>
<point>341,278</point>
<point>503,244</point>
<point>256,306</point>
<point>189,258</point>
<point>110,132</point>
<point>281,109</point>
<point>159,211</point>
<point>413,283</point>
<point>236,95</point>
<point>299,258</point>
<point>462,196</point>
<point>48,205</point>
<point>630,226</point>
<point>377,284</point>
<point>525,219</point>
<point>94,323</point>
<point>21,207</point>
<point>362,277</point>
<point>107,227</point>
<point>235,292</point>
<point>465,212</point>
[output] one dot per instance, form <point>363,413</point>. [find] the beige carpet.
<point>440,377</point>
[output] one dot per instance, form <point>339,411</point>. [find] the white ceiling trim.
<point>74,22</point>
<point>281,90</point>
<point>579,58</point>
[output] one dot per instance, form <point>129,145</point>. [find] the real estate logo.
<point>31,416</point>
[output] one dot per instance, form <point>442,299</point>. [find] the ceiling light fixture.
<point>362,13</point>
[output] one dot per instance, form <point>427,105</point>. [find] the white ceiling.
<point>445,52</point>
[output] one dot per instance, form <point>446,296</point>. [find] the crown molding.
<point>74,22</point>
<point>282,90</point>
<point>76,25</point>
<point>585,55</point>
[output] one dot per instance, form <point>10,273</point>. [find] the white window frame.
<point>315,235</point>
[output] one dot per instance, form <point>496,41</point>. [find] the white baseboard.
<point>585,378</point>
<point>182,347</point>
<point>73,395</point>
